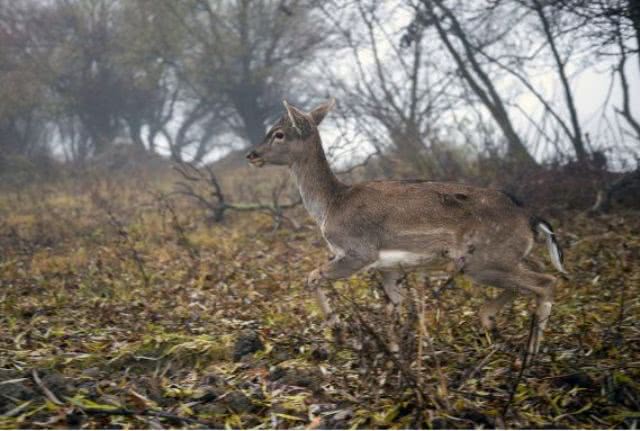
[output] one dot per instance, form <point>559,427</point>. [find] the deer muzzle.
<point>254,158</point>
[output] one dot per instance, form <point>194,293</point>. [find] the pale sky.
<point>594,94</point>
<point>592,87</point>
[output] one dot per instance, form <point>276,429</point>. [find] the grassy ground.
<point>120,309</point>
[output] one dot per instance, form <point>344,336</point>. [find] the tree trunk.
<point>576,138</point>
<point>634,16</point>
<point>252,115</point>
<point>135,133</point>
<point>488,95</point>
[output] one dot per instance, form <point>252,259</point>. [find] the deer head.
<point>291,137</point>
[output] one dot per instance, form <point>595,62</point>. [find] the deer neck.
<point>317,184</point>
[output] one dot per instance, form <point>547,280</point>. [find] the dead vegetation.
<point>119,307</point>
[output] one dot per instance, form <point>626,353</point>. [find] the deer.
<point>397,225</point>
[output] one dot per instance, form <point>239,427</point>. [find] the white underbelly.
<point>392,259</point>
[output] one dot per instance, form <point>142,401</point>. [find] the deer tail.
<point>555,252</point>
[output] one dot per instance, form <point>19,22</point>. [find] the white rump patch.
<point>398,259</point>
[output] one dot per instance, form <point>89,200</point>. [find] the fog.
<point>197,81</point>
<point>319,214</point>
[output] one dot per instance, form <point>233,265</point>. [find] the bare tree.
<point>238,59</point>
<point>537,19</point>
<point>101,78</point>
<point>625,111</point>
<point>202,186</point>
<point>435,13</point>
<point>23,120</point>
<point>403,91</point>
<point>576,133</point>
<point>612,24</point>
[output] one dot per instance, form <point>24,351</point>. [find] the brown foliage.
<point>116,346</point>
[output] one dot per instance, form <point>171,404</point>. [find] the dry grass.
<point>124,325</point>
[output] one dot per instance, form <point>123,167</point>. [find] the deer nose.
<point>252,155</point>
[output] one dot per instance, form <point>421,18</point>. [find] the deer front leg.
<point>492,307</point>
<point>335,269</point>
<point>394,291</point>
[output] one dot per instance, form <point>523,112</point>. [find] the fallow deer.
<point>397,225</point>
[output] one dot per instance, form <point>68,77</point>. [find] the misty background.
<point>420,82</point>
<point>150,278</point>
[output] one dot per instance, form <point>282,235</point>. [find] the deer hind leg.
<point>525,280</point>
<point>392,284</point>
<point>541,285</point>
<point>491,308</point>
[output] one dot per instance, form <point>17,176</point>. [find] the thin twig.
<point>405,371</point>
<point>155,413</point>
<point>441,378</point>
<point>47,392</point>
<point>482,363</point>
<point>525,359</point>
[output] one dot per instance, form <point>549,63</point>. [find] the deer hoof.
<point>337,331</point>
<point>488,321</point>
<point>492,335</point>
<point>334,321</point>
<point>314,278</point>
<point>394,347</point>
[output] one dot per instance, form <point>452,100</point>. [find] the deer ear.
<point>292,113</point>
<point>321,111</point>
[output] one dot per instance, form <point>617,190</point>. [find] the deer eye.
<point>279,135</point>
